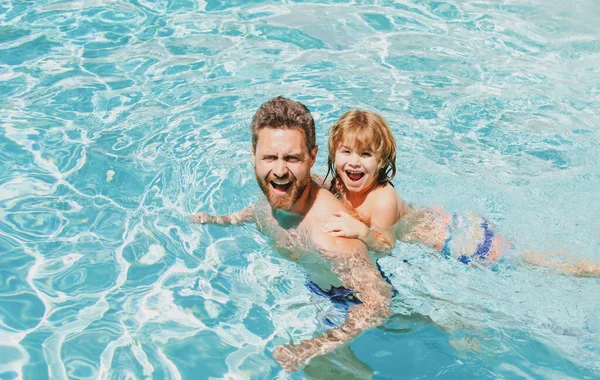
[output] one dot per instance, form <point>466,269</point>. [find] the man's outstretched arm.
<point>350,260</point>
<point>245,215</point>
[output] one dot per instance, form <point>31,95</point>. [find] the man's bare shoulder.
<point>324,203</point>
<point>326,200</point>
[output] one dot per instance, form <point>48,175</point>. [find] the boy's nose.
<point>354,160</point>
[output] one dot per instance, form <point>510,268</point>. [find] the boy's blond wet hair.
<point>363,130</point>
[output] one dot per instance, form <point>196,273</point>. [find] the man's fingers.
<point>332,226</point>
<point>339,214</point>
<point>335,229</point>
<point>288,360</point>
<point>198,218</point>
<point>330,230</point>
<point>329,225</point>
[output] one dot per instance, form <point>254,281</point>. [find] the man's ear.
<point>313,155</point>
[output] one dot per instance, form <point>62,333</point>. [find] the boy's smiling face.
<point>357,167</point>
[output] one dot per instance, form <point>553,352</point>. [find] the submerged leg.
<point>572,266</point>
<point>338,364</point>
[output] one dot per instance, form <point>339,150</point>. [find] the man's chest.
<point>291,237</point>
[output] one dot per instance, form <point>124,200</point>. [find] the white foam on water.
<point>142,358</point>
<point>52,345</point>
<point>235,360</point>
<point>155,253</point>
<point>108,353</point>
<point>21,186</point>
<point>146,90</point>
<point>109,175</point>
<point>14,357</point>
<point>170,366</point>
<point>212,308</point>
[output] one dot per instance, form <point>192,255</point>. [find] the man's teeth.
<point>281,185</point>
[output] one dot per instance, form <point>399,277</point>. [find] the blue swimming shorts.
<point>342,298</point>
<point>483,248</point>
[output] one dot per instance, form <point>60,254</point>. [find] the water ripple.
<point>120,119</point>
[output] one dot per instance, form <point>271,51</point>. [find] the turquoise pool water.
<point>118,117</point>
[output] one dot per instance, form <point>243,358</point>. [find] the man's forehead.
<point>281,139</point>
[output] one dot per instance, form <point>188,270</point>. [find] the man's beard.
<point>283,202</point>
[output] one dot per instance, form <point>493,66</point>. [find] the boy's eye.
<point>366,154</point>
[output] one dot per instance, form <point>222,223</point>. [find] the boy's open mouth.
<point>354,176</point>
<point>280,186</point>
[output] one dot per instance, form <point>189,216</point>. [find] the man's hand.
<point>360,317</point>
<point>343,225</point>
<point>201,218</point>
<point>351,262</point>
<point>290,357</point>
<point>246,215</point>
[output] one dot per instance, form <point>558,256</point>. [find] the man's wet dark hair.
<point>282,113</point>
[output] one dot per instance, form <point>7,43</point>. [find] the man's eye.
<point>269,158</point>
<point>292,159</point>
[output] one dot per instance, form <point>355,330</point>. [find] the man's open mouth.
<point>280,186</point>
<point>354,176</point>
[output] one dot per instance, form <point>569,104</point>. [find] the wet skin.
<point>282,166</point>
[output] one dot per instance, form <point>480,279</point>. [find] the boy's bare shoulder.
<point>387,204</point>
<point>384,197</point>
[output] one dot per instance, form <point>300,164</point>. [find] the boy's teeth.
<point>354,176</point>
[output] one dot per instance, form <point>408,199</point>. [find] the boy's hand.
<point>344,225</point>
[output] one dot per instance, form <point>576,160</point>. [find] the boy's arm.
<point>350,260</point>
<point>380,239</point>
<point>426,226</point>
<point>381,235</point>
<point>245,215</point>
<point>345,225</point>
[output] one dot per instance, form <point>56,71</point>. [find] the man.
<point>283,152</point>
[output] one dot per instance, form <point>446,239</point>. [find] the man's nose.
<point>280,169</point>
